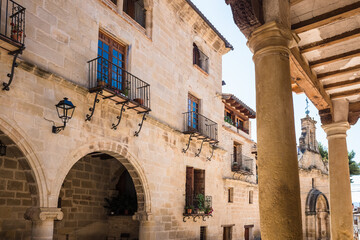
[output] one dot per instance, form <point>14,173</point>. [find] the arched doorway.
<point>18,192</point>
<point>99,198</point>
<point>317,216</point>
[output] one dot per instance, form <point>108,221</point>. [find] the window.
<point>227,233</point>
<point>112,62</point>
<point>237,151</point>
<point>230,195</point>
<point>195,184</point>
<point>193,108</point>
<point>200,59</point>
<point>136,10</point>
<point>251,200</point>
<point>202,233</point>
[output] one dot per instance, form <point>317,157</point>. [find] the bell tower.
<point>307,140</point>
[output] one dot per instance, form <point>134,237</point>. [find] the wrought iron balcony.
<point>238,126</point>
<point>119,85</point>
<point>197,207</point>
<point>241,164</point>
<point>201,127</point>
<point>12,25</point>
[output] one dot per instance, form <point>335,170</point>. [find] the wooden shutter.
<point>189,186</point>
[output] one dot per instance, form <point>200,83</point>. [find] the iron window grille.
<point>12,22</point>
<point>103,74</point>
<point>201,126</point>
<point>241,164</point>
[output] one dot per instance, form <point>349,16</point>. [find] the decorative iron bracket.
<point>92,109</point>
<point>141,124</point>
<point>184,150</point>
<point>199,150</point>
<point>195,216</point>
<point>114,126</point>
<point>213,146</point>
<point>6,86</point>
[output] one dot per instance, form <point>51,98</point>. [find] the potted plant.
<point>189,209</point>
<point>16,32</point>
<point>209,210</point>
<point>101,83</point>
<point>140,101</point>
<point>201,203</point>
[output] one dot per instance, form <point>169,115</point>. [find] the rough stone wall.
<point>17,193</point>
<point>61,37</point>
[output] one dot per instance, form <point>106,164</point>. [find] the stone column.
<point>279,187</point>
<point>43,222</point>
<point>340,192</point>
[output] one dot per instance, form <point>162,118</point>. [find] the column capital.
<point>336,130</point>
<point>43,214</point>
<point>142,216</point>
<point>271,35</point>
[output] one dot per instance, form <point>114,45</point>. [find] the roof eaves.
<point>227,44</point>
<point>229,95</point>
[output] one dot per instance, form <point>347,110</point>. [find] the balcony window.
<point>109,77</point>
<point>200,59</point>
<point>193,107</point>
<point>241,164</point>
<point>195,197</point>
<point>12,25</point>
<point>136,10</point>
<point>236,121</point>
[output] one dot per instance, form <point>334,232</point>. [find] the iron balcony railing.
<point>237,125</point>
<point>103,74</point>
<point>241,163</point>
<point>12,21</point>
<point>201,125</point>
<point>197,202</point>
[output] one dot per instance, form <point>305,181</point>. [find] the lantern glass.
<point>2,149</point>
<point>65,110</point>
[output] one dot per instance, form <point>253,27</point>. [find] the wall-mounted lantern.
<point>65,110</point>
<point>2,149</point>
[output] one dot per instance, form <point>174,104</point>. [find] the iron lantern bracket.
<point>142,122</point>
<point>56,129</point>
<point>92,109</point>
<point>6,86</point>
<point>114,126</point>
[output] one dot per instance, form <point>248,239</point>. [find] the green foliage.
<point>323,152</point>
<point>200,201</point>
<point>354,167</point>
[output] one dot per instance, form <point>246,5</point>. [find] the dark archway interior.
<point>98,199</point>
<point>18,191</point>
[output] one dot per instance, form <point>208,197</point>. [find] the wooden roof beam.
<point>307,81</point>
<point>327,18</point>
<point>342,84</point>
<point>335,73</point>
<point>345,94</point>
<point>294,2</point>
<point>335,58</point>
<point>331,41</point>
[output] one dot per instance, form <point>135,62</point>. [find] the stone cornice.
<point>43,214</point>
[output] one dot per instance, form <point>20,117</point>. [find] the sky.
<point>239,75</point>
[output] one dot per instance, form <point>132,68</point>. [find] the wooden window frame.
<point>192,99</point>
<point>230,195</point>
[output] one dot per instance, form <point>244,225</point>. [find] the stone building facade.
<point>61,178</point>
<point>314,184</point>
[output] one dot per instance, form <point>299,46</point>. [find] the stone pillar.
<point>279,187</point>
<point>43,222</point>
<point>340,192</point>
<point>146,231</point>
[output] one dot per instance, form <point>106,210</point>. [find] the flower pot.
<point>139,101</point>
<point>16,37</point>
<point>101,83</point>
<point>189,211</point>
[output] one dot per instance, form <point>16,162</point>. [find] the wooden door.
<point>247,234</point>
<point>227,233</point>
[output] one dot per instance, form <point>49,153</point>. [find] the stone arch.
<point>317,215</point>
<point>120,153</point>
<point>30,161</point>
